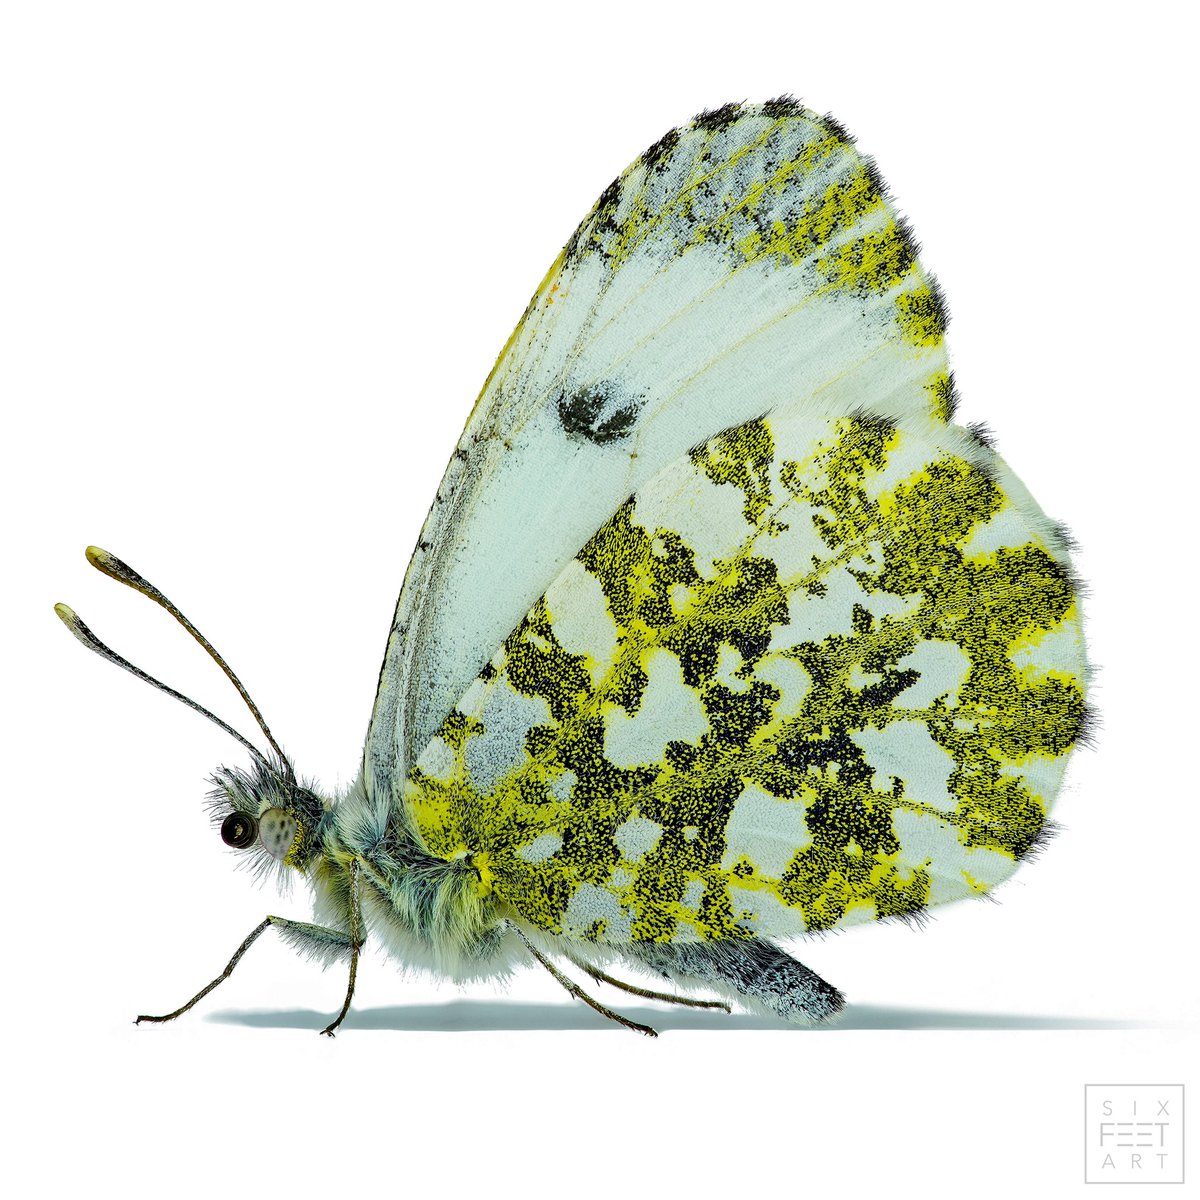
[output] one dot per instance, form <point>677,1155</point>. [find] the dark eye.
<point>239,830</point>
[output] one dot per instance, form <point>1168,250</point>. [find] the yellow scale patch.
<point>813,673</point>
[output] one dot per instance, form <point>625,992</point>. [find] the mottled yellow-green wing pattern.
<point>815,672</point>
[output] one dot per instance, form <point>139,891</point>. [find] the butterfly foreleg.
<point>575,990</point>
<point>757,970</point>
<point>601,977</point>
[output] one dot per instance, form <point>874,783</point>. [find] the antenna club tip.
<point>122,572</point>
<point>70,618</point>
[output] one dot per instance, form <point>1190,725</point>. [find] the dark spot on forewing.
<point>599,413</point>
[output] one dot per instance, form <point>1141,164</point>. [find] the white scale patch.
<point>908,457</point>
<point>682,598</point>
<point>1007,527</point>
<point>859,679</point>
<point>541,848</point>
<point>885,605</point>
<point>1040,774</point>
<point>507,717</point>
<point>814,618</point>
<point>794,548</point>
<point>637,837</point>
<point>764,913</point>
<point>693,894</point>
<point>924,836</point>
<point>905,749</point>
<point>792,680</point>
<point>729,662</point>
<point>581,620</point>
<point>590,904</point>
<point>561,786</point>
<point>708,518</point>
<point>766,830</point>
<point>476,696</point>
<point>943,667</point>
<point>670,711</point>
<point>437,760</point>
<point>1059,649</point>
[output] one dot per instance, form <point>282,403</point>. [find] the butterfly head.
<point>267,816</point>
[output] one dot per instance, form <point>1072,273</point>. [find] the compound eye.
<point>239,830</point>
<point>277,827</point>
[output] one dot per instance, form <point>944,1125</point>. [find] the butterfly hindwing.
<point>816,671</point>
<point>746,263</point>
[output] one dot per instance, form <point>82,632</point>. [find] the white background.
<point>257,260</point>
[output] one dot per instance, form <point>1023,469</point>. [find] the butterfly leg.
<point>224,975</point>
<point>313,939</point>
<point>575,990</point>
<point>756,970</point>
<point>356,941</point>
<point>600,977</point>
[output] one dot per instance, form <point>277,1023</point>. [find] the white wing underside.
<point>667,319</point>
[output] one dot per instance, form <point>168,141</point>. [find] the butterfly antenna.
<point>122,572</point>
<point>71,620</point>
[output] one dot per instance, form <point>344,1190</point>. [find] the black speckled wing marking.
<point>814,672</point>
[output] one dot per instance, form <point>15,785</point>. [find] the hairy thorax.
<point>427,912</point>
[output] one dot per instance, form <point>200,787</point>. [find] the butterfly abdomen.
<point>747,970</point>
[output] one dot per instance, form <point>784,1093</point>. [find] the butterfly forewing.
<point>747,263</point>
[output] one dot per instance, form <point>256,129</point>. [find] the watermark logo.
<point>1133,1132</point>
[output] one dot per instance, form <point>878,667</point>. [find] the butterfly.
<point>720,631</point>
